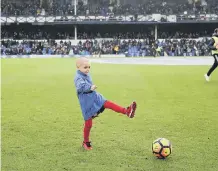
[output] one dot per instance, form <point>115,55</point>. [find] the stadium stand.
<point>87,27</point>
<point>106,7</point>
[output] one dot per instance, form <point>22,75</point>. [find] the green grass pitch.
<point>42,122</point>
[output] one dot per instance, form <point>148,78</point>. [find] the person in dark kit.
<point>213,46</point>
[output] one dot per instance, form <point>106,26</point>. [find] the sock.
<point>114,107</point>
<point>212,68</point>
<point>87,129</point>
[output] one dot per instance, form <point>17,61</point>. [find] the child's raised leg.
<point>129,111</point>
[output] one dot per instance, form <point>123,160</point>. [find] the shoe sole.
<point>87,148</point>
<point>132,113</point>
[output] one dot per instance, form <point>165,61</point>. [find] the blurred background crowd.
<point>134,40</point>
<point>133,47</point>
<point>106,7</point>
<point>38,33</point>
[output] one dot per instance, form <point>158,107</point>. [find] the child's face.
<point>84,67</point>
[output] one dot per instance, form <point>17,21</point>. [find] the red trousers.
<point>107,105</point>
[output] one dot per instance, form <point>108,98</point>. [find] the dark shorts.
<point>100,111</point>
<point>215,58</point>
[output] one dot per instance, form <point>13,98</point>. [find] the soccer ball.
<point>161,148</point>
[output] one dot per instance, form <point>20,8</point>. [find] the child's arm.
<point>93,87</point>
<point>82,86</point>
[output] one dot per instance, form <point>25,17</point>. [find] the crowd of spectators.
<point>38,34</point>
<point>142,43</point>
<point>144,47</point>
<point>99,7</point>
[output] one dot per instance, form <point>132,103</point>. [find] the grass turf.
<point>42,122</point>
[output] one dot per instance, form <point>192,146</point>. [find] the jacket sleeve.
<point>82,86</point>
<point>211,44</point>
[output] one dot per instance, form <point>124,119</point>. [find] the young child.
<point>91,102</point>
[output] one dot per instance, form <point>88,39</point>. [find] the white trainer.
<point>206,77</point>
